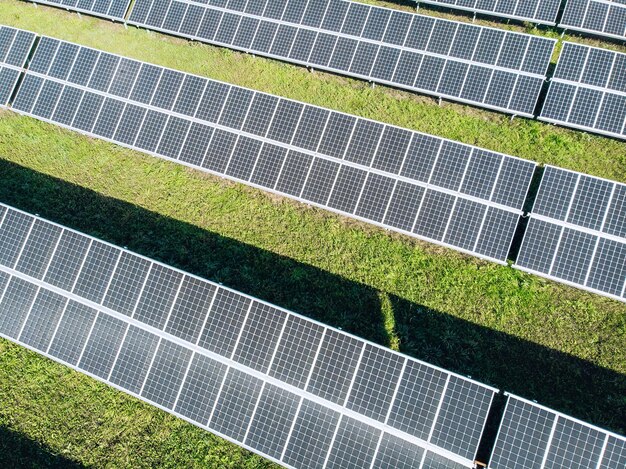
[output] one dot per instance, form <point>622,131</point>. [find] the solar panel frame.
<point>555,222</point>
<point>12,67</point>
<point>573,101</point>
<point>125,324</point>
<point>547,456</point>
<point>511,172</point>
<point>115,11</point>
<point>545,12</point>
<point>583,15</point>
<point>321,57</point>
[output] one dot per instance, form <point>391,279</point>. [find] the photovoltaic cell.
<point>200,389</point>
<point>272,420</point>
<point>597,17</point>
<point>129,277</point>
<point>415,407</point>
<point>259,337</point>
<point>43,319</point>
<point>235,404</point>
<point>572,235</point>
<point>132,363</point>
<point>374,383</point>
<point>354,445</point>
<point>360,168</point>
<point>531,435</point>
<point>293,390</point>
<point>588,90</point>
<point>105,339</point>
<point>308,443</point>
<point>17,300</point>
<point>382,45</point>
<point>166,373</point>
<point>446,432</point>
<point>72,332</point>
<point>191,307</point>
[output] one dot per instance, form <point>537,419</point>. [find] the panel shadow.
<point>18,451</point>
<point>558,380</point>
<point>552,378</point>
<point>280,280</point>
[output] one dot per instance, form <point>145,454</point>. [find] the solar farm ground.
<point>544,341</point>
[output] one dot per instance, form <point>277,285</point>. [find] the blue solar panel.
<point>289,388</point>
<point>531,435</point>
<point>535,11</point>
<point>588,91</point>
<point>482,66</point>
<point>577,232</point>
<point>15,46</point>
<point>597,17</point>
<point>110,9</point>
<point>424,186</point>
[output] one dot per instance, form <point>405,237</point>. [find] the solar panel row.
<point>536,11</point>
<point>601,17</point>
<point>292,389</point>
<point>531,435</point>
<point>435,189</point>
<point>577,232</point>
<point>588,91</point>
<point>487,67</point>
<point>15,46</point>
<point>110,9</point>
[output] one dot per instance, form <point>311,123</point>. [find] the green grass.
<point>545,341</point>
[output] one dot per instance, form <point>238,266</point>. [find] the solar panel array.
<point>289,388</point>
<point>487,67</point>
<point>15,46</point>
<point>536,11</point>
<point>602,17</point>
<point>588,91</point>
<point>531,435</point>
<point>446,192</point>
<point>111,9</point>
<point>577,232</point>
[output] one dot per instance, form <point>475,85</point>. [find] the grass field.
<point>558,345</point>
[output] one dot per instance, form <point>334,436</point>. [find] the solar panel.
<point>536,11</point>
<point>296,391</point>
<point>487,67</point>
<point>531,435</point>
<point>15,46</point>
<point>588,91</point>
<point>435,189</point>
<point>598,17</point>
<point>577,232</point>
<point>111,9</point>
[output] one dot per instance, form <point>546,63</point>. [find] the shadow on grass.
<point>558,380</point>
<point>19,452</point>
<point>552,378</point>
